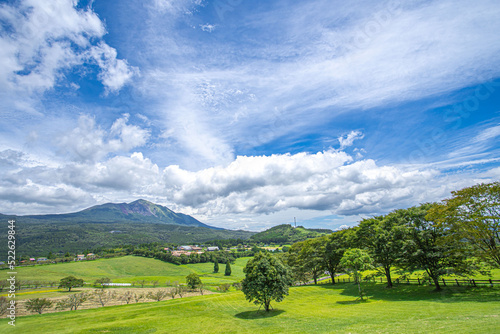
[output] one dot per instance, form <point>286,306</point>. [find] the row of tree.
<point>214,256</point>
<point>460,235</point>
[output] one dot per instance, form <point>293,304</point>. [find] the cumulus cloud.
<point>247,187</point>
<point>40,40</point>
<point>89,142</point>
<point>324,181</point>
<point>115,73</point>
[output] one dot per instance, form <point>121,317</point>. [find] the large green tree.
<point>472,216</point>
<point>70,282</point>
<point>266,279</point>
<point>356,261</point>
<point>335,246</point>
<point>424,248</point>
<point>308,258</point>
<point>383,238</point>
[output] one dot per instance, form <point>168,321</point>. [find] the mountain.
<point>107,226</point>
<point>286,234</point>
<point>140,211</point>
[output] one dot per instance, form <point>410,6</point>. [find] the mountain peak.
<point>139,210</point>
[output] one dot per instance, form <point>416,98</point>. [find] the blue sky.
<point>246,114</point>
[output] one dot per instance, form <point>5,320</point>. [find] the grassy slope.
<point>128,269</point>
<point>318,309</point>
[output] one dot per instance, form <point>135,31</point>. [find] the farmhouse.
<point>180,252</point>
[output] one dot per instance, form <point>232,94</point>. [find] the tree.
<point>266,279</point>
<point>193,280</point>
<point>127,297</point>
<point>158,295</point>
<point>102,282</point>
<point>356,260</point>
<point>70,282</point>
<point>424,248</point>
<point>102,296</point>
<point>4,304</point>
<point>138,297</point>
<point>38,305</point>
<point>216,266</point>
<point>142,282</point>
<point>228,269</point>
<point>472,216</point>
<point>335,246</point>
<point>307,259</point>
<point>73,301</point>
<point>383,238</point>
<point>181,290</point>
<point>172,292</point>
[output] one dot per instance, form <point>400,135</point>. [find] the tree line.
<point>459,235</point>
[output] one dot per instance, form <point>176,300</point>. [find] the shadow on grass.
<point>252,315</point>
<point>405,292</point>
<point>352,302</point>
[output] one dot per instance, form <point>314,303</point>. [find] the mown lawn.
<point>308,309</point>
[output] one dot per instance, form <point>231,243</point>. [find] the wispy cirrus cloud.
<point>303,75</point>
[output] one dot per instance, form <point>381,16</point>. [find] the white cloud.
<point>115,72</point>
<point>314,67</point>
<point>251,188</point>
<point>88,142</point>
<point>487,134</point>
<point>350,138</point>
<point>208,27</point>
<point>323,181</point>
<point>41,40</point>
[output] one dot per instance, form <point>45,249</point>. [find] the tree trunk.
<point>332,275</point>
<point>266,305</point>
<point>436,283</point>
<point>388,276</point>
<point>359,289</point>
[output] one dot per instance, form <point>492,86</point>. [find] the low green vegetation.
<point>318,309</point>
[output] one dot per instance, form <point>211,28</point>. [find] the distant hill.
<point>286,234</point>
<point>109,225</point>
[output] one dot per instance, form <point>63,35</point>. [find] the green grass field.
<point>130,269</point>
<point>308,309</point>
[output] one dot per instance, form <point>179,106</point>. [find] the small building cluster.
<point>188,250</point>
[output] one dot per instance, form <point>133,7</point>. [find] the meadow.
<point>308,309</point>
<point>324,308</point>
<point>130,269</point>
